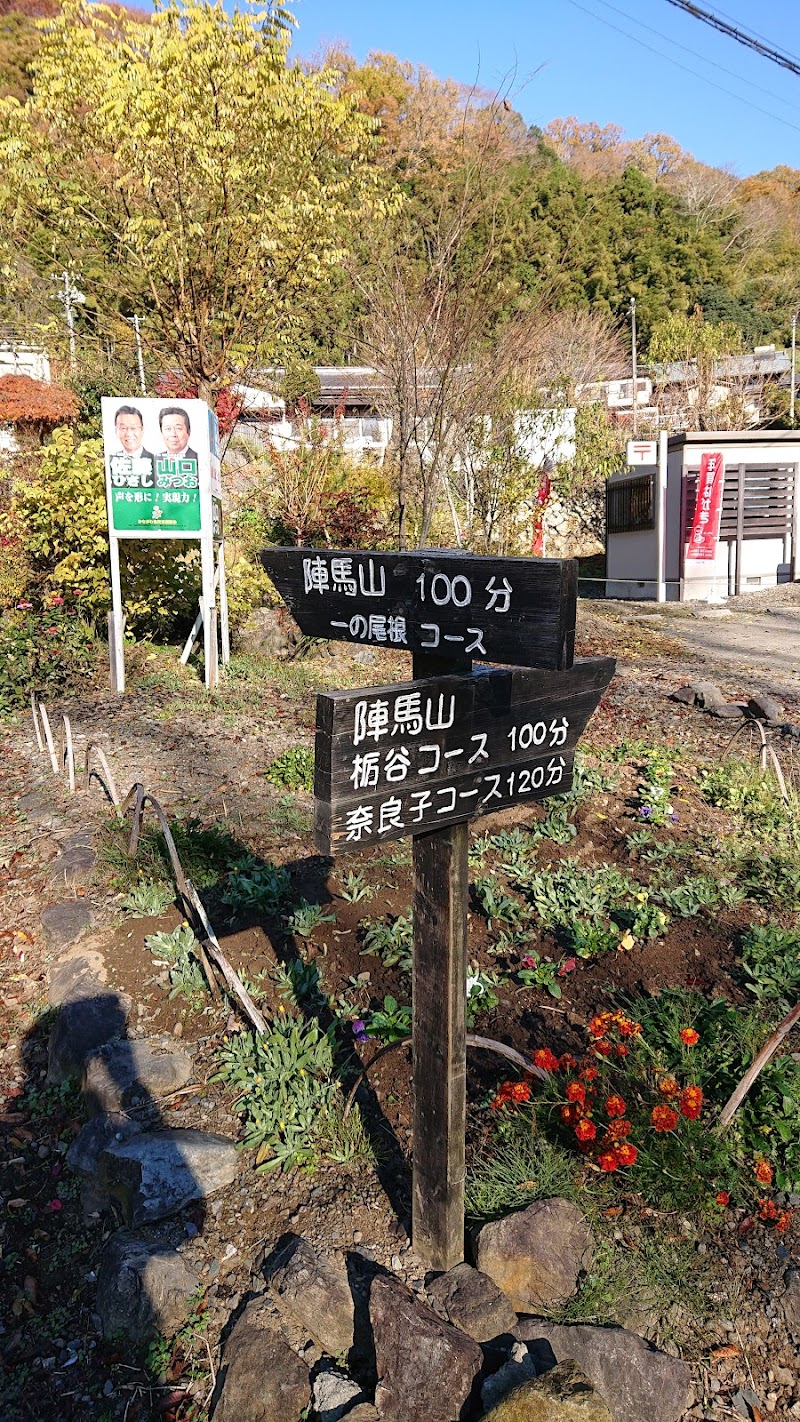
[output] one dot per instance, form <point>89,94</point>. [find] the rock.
<point>86,1149</point>
<point>564,1394</point>
<point>334,1395</point>
<point>791,1301</point>
<point>156,1174</point>
<point>81,973</point>
<point>728,711</point>
<point>268,632</point>
<point>639,1383</point>
<point>473,1302</point>
<point>517,1370</point>
<point>765,708</point>
<point>143,1289</point>
<point>74,866</point>
<point>129,1073</point>
<point>63,923</point>
<point>426,1368</point>
<point>314,1291</point>
<point>536,1255</point>
<point>363,1412</point>
<point>261,1377</point>
<point>685,694</point>
<point>83,1025</point>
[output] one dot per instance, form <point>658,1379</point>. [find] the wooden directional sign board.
<point>452,605</point>
<point>425,757</point>
<point>406,759</point>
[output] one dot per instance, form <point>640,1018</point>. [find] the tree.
<point>189,172</point>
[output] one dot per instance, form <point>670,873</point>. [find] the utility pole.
<point>70,297</point>
<point>142,382</point>
<point>633,365</point>
<point>794,348</point>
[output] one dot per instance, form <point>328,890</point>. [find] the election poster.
<point>162,468</point>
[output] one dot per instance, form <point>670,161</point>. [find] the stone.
<point>362,1412</point>
<point>157,1174</point>
<point>791,1301</point>
<point>639,1383</point>
<point>74,866</point>
<point>143,1288</point>
<point>334,1395</point>
<point>63,923</point>
<point>261,1378</point>
<point>706,694</point>
<point>728,711</point>
<point>85,1151</point>
<point>426,1368</point>
<point>472,1302</point>
<point>564,1394</point>
<point>536,1255</point>
<point>83,1025</point>
<point>132,1072</point>
<point>314,1291</point>
<point>81,973</point>
<point>765,708</point>
<point>518,1369</point>
<point>268,632</point>
<point>686,695</point>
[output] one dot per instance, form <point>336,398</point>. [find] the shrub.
<point>293,769</point>
<point>44,650</point>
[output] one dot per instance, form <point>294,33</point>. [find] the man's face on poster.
<point>129,430</point>
<point>175,433</point>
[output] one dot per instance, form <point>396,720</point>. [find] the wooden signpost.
<point>424,757</point>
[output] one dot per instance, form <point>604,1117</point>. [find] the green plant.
<point>286,816</point>
<point>287,1091</point>
<point>753,799</point>
<point>46,650</point>
<point>177,951</point>
<point>148,899</point>
<point>496,903</point>
<point>771,963</point>
<point>390,941</point>
<point>293,769</point>
<point>655,789</point>
<point>481,994</point>
<point>306,917</point>
<point>589,938</point>
<point>694,894</point>
<point>539,972</point>
<point>205,851</point>
<point>524,1166</point>
<point>257,888</point>
<point>389,1023</point>
<point>355,888</point>
<point>301,984</point>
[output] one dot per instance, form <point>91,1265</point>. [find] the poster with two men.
<point>162,467</point>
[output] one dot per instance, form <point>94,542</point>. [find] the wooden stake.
<point>441,887</point>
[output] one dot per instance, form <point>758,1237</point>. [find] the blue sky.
<point>562,57</point>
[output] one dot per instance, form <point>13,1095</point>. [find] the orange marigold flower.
<point>768,1210</point>
<point>663,1118</point>
<point>722,1198</point>
<point>545,1059</point>
<point>668,1087</point>
<point>608,1160</point>
<point>576,1091</point>
<point>618,1130</point>
<point>615,1106</point>
<point>627,1153</point>
<point>690,1103</point>
<point>589,1073</point>
<point>688,1036</point>
<point>603,1048</point>
<point>570,1114</point>
<point>783,1221</point>
<point>586,1130</point>
<point>763,1171</point>
<point>600,1024</point>
<point>520,1091</point>
<point>567,1062</point>
<point>627,1028</point>
<point>620,1050</point>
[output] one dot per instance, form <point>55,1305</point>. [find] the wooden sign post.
<point>427,756</point>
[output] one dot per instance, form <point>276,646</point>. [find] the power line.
<point>703,59</point>
<point>765,49</point>
<point>733,21</point>
<point>685,67</point>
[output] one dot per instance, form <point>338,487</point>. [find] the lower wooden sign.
<point>398,760</point>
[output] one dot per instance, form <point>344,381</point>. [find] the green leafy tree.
<point>182,162</point>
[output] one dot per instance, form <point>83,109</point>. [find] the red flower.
<point>620,1050</point>
<point>576,1091</point>
<point>568,966</point>
<point>600,1024</point>
<point>768,1210</point>
<point>668,1087</point>
<point>603,1049</point>
<point>663,1118</point>
<point>545,1059</point>
<point>567,1062</point>
<point>763,1171</point>
<point>608,1160</point>
<point>589,1073</point>
<point>617,1131</point>
<point>55,600</point>
<point>627,1153</point>
<point>570,1114</point>
<point>783,1221</point>
<point>690,1103</point>
<point>722,1198</point>
<point>520,1092</point>
<point>688,1036</point>
<point>615,1106</point>
<point>51,630</point>
<point>585,1130</point>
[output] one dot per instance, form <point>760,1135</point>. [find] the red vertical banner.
<point>538,514</point>
<point>708,509</point>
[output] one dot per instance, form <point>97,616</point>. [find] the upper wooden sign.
<point>451,605</point>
